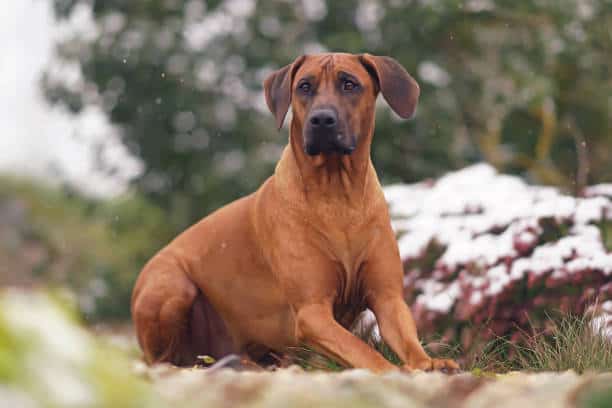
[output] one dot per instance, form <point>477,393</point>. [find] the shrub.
<point>487,255</point>
<point>49,236</point>
<point>570,342</point>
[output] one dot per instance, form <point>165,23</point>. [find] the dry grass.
<point>570,343</point>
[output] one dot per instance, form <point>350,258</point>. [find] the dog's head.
<point>333,97</point>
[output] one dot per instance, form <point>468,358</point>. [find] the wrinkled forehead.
<point>331,65</point>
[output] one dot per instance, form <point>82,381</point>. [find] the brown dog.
<point>298,260</point>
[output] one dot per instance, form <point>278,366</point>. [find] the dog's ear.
<point>277,88</point>
<point>400,90</point>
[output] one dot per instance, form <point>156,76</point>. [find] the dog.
<point>297,261</point>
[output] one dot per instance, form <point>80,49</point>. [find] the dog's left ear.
<point>400,90</point>
<point>277,88</point>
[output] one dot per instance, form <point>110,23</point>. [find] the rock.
<point>361,388</point>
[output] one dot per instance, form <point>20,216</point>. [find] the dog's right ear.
<point>277,88</point>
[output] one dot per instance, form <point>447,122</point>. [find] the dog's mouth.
<point>338,143</point>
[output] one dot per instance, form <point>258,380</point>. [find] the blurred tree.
<point>55,238</point>
<point>524,85</point>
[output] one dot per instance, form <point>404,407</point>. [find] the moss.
<point>552,231</point>
<point>478,372</point>
<point>605,227</point>
<point>595,396</point>
<point>11,349</point>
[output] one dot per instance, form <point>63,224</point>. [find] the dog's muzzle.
<point>324,134</point>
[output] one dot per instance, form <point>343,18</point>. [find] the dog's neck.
<point>334,175</point>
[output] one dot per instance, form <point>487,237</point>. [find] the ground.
<point>293,387</point>
<point>48,359</point>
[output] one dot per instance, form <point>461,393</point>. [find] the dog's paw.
<point>443,365</point>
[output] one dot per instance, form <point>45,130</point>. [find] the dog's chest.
<point>347,237</point>
<point>348,248</point>
<point>350,299</point>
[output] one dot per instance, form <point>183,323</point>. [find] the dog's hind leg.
<point>175,322</point>
<point>161,309</point>
<point>208,334</point>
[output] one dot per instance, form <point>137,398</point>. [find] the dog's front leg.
<point>317,328</point>
<point>399,332</point>
<point>383,275</point>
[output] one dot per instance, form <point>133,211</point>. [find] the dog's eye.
<point>304,87</point>
<point>348,85</point>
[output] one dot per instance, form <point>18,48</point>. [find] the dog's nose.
<point>323,118</point>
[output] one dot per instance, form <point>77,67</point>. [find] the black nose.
<point>323,118</point>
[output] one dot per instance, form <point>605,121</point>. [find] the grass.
<point>572,343</point>
<point>310,360</point>
<point>488,358</point>
<point>569,342</point>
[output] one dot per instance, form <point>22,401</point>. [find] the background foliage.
<point>56,238</point>
<point>523,85</point>
<point>480,271</point>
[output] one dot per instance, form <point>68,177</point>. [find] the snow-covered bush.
<point>486,254</point>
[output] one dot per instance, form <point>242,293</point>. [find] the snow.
<point>591,210</point>
<point>604,189</point>
<point>602,322</point>
<point>367,323</point>
<point>440,300</point>
<point>495,230</point>
<point>498,279</point>
<point>44,141</point>
<point>587,251</point>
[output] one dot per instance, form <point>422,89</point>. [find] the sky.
<point>43,141</point>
